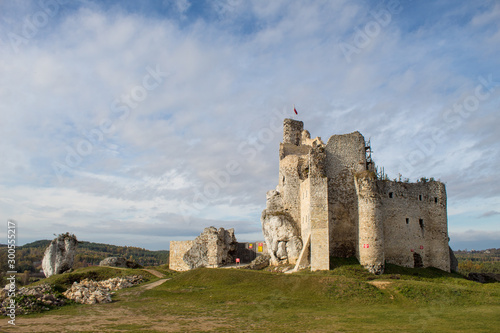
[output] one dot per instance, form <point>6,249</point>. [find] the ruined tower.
<point>329,203</point>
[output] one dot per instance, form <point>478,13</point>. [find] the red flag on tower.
<point>295,110</point>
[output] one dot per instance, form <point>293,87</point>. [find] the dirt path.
<point>140,289</point>
<point>155,273</point>
<point>154,284</point>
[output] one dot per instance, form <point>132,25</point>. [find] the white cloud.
<point>228,70</point>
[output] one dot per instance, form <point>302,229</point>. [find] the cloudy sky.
<point>140,122</point>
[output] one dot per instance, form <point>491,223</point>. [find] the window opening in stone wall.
<point>390,195</point>
<point>407,221</point>
<point>436,200</point>
<point>368,154</point>
<point>421,223</point>
<point>420,197</point>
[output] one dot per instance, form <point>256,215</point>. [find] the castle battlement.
<point>329,202</point>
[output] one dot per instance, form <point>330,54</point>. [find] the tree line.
<point>484,261</point>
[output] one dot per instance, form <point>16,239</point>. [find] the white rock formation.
<point>283,241</point>
<point>59,255</point>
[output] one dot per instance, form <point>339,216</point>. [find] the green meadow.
<point>344,299</point>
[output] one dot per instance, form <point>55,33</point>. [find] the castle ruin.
<point>213,248</point>
<point>329,203</point>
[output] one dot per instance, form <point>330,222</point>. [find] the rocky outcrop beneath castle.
<point>119,262</point>
<point>31,299</point>
<point>92,292</point>
<point>59,255</point>
<point>282,237</point>
<point>212,248</point>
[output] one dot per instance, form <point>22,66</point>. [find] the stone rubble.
<point>31,299</point>
<point>260,262</point>
<point>92,292</point>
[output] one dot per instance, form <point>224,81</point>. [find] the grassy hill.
<point>344,299</point>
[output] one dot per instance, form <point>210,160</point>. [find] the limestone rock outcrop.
<point>212,248</point>
<point>118,262</point>
<point>59,255</point>
<point>282,237</point>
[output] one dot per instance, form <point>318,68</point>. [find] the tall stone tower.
<point>370,225</point>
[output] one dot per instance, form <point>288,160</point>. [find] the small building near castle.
<point>329,202</point>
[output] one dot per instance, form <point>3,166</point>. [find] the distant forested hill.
<point>484,261</point>
<point>29,256</point>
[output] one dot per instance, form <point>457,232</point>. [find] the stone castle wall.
<point>345,156</point>
<point>177,251</point>
<point>320,236</point>
<point>292,131</point>
<point>289,184</point>
<point>415,223</point>
<point>305,204</point>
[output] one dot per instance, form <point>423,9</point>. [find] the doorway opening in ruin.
<point>417,260</point>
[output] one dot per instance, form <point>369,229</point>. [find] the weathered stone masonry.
<point>328,202</point>
<point>213,248</point>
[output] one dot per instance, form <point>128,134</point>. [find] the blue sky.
<point>140,122</point>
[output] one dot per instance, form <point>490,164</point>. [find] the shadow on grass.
<point>351,267</point>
